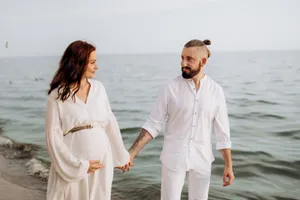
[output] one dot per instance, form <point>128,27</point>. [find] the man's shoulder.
<point>173,81</point>
<point>214,85</point>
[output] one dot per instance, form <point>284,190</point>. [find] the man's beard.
<point>190,73</point>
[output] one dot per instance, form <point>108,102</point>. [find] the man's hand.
<point>144,138</point>
<point>228,176</point>
<point>94,165</point>
<point>228,172</point>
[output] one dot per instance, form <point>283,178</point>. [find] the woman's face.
<point>91,66</point>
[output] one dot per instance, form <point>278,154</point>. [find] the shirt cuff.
<point>223,145</point>
<point>153,132</point>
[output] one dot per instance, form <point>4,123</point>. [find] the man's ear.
<point>203,61</point>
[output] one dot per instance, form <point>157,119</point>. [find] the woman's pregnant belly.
<point>90,144</point>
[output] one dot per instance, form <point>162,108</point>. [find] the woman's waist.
<point>84,126</point>
<point>88,141</point>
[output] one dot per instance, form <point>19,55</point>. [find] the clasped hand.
<point>127,166</point>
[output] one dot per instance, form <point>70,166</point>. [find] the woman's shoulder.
<point>97,84</point>
<point>53,94</point>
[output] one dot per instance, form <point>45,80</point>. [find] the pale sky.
<point>37,27</point>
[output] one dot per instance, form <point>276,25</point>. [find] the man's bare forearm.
<point>227,157</point>
<point>143,138</point>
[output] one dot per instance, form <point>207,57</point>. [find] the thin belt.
<point>82,127</point>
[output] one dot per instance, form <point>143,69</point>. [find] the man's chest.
<point>189,103</point>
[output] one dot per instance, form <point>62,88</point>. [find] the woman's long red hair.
<point>71,68</point>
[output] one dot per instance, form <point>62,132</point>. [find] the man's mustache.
<point>186,67</point>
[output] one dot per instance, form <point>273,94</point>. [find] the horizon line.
<point>161,53</point>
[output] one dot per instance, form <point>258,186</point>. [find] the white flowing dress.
<point>70,154</point>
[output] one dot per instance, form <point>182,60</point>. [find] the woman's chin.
<point>91,76</point>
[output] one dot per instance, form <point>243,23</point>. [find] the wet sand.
<point>14,187</point>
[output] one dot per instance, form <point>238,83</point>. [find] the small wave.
<point>294,165</point>
<point>248,82</point>
<point>277,81</point>
<point>249,93</point>
<point>284,198</point>
<point>296,138</point>
<point>273,116</point>
<point>251,153</point>
<point>266,102</point>
<point>131,130</point>
<point>129,190</point>
<point>2,123</point>
<point>236,116</point>
<point>6,142</point>
<point>248,102</point>
<point>255,165</point>
<point>265,169</point>
<point>127,111</point>
<point>241,173</point>
<point>268,116</point>
<point>288,133</point>
<point>24,98</point>
<point>36,167</point>
<point>252,196</point>
<point>247,155</point>
<point>14,150</point>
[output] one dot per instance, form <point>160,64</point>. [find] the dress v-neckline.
<point>88,95</point>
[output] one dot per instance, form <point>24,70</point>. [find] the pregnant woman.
<point>82,134</point>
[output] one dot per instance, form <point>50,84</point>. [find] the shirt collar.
<point>201,80</point>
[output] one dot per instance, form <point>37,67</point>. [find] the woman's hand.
<point>127,166</point>
<point>94,165</point>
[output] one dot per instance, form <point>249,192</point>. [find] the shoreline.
<point>14,187</point>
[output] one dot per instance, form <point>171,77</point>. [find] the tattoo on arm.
<point>140,142</point>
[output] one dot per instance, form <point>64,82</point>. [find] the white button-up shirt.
<point>190,117</point>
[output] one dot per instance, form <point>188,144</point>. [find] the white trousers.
<point>172,183</point>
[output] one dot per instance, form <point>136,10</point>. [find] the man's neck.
<point>197,79</point>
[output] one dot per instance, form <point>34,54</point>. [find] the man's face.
<point>190,62</point>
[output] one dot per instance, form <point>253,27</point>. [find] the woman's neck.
<point>83,83</point>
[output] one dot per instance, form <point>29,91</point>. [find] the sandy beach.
<point>24,189</point>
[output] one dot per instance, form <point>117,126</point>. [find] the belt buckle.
<point>89,126</point>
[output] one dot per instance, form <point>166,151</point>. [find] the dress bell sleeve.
<point>66,165</point>
<point>121,156</point>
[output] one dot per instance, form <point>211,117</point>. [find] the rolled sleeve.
<point>221,125</point>
<point>153,127</point>
<point>158,115</point>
